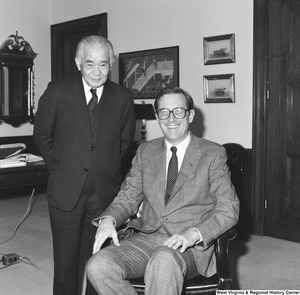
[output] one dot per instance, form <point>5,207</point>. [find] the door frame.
<point>260,47</point>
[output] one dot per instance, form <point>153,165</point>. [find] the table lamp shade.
<point>144,112</point>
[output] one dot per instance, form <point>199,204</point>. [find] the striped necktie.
<point>93,101</point>
<point>172,173</point>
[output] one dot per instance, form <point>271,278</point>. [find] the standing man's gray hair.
<point>94,40</point>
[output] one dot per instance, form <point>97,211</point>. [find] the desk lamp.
<point>144,112</point>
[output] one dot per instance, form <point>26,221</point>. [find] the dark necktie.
<point>172,173</point>
<point>93,101</point>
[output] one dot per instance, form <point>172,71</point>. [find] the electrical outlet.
<point>10,259</point>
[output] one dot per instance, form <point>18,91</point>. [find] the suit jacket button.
<point>86,170</point>
<point>92,148</point>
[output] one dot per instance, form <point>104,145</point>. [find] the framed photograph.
<point>219,88</point>
<point>219,49</point>
<point>146,72</point>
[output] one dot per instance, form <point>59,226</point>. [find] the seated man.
<point>188,202</point>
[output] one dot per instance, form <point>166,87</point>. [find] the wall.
<point>141,24</point>
<point>31,18</point>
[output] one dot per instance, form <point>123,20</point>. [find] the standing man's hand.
<point>105,230</point>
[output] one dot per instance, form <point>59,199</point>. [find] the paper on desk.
<point>14,161</point>
<point>34,158</point>
<point>19,160</point>
<point>10,164</point>
<point>24,157</point>
<point>18,157</point>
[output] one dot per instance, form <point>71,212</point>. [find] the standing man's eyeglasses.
<point>178,113</point>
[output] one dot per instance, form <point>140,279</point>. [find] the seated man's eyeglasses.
<point>178,113</point>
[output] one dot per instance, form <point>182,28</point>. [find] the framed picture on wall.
<point>146,72</point>
<point>219,88</point>
<point>219,49</point>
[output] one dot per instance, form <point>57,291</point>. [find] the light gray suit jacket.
<point>203,196</point>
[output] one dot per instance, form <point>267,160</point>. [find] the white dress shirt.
<point>88,93</point>
<point>181,148</point>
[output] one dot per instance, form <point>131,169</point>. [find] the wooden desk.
<point>32,173</point>
<point>22,180</point>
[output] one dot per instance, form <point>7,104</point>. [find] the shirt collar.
<point>181,146</point>
<point>87,91</point>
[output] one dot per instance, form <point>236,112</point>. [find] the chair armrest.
<point>221,251</point>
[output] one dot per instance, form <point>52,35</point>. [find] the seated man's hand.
<point>105,230</point>
<point>185,240</point>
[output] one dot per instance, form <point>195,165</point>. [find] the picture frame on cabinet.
<point>219,88</point>
<point>146,72</point>
<point>219,49</point>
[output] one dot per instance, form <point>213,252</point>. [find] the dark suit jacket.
<point>62,134</point>
<point>203,196</point>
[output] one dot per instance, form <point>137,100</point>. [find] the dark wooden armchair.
<point>237,163</point>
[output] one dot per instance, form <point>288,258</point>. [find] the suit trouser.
<point>163,268</point>
<point>68,230</point>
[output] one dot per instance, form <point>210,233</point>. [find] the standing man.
<point>188,202</point>
<point>83,128</point>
